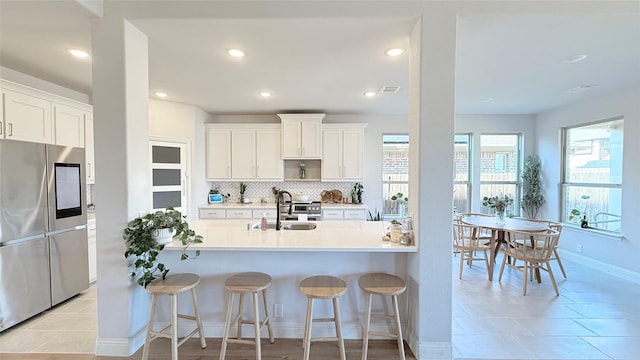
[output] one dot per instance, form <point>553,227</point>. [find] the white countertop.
<point>342,236</point>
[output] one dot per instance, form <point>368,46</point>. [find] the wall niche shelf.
<point>292,170</point>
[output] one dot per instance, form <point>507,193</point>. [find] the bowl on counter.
<point>300,197</point>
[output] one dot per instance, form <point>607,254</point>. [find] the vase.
<point>500,217</point>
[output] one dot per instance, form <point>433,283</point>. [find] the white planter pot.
<point>163,236</point>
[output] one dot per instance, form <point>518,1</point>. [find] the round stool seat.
<point>323,287</point>
<point>382,284</point>
<point>173,284</point>
<point>247,282</point>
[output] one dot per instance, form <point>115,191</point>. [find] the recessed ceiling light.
<point>574,59</point>
<point>161,94</point>
<point>370,93</point>
<point>264,94</point>
<point>394,52</point>
<point>78,53</point>
<point>236,53</point>
<point>486,100</point>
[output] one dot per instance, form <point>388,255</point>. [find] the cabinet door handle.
<point>1,127</point>
<point>10,129</point>
<point>89,170</point>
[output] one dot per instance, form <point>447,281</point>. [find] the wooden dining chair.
<point>467,243</point>
<point>483,234</point>
<point>534,256</point>
<point>557,227</point>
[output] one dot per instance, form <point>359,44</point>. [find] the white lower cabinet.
<point>219,214</point>
<point>356,214</point>
<point>239,214</point>
<point>271,214</point>
<point>341,215</point>
<point>91,238</point>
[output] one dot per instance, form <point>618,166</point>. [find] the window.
<point>500,161</point>
<point>395,173</point>
<point>168,175</point>
<point>461,176</point>
<point>592,185</point>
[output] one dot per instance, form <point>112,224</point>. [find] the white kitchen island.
<point>346,249</point>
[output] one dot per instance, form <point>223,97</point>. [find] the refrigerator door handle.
<point>23,240</point>
<point>78,227</point>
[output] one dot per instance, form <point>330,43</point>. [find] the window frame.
<point>387,183</point>
<point>565,184</point>
<point>517,211</point>
<point>468,182</point>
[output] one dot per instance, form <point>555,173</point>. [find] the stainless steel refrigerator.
<point>43,236</point>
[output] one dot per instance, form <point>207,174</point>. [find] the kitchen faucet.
<point>279,198</point>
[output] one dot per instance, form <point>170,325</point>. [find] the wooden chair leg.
<point>524,278</point>
<point>227,325</point>
<point>174,327</point>
<point>306,343</point>
<point>553,280</point>
<point>240,307</point>
<point>336,317</point>
<point>394,299</point>
<point>203,342</point>
<point>462,252</point>
<point>555,252</point>
<point>504,261</point>
<point>147,342</point>
<point>256,325</point>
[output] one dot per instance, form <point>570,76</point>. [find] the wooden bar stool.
<point>323,287</point>
<point>172,285</point>
<point>243,283</point>
<point>384,285</point>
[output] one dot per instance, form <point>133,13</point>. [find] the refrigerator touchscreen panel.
<point>68,190</point>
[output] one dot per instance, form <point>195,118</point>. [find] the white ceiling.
<point>325,64</point>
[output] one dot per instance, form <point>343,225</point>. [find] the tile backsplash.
<point>256,191</point>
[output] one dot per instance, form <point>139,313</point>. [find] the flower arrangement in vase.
<point>498,204</point>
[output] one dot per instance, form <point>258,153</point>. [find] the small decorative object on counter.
<point>263,222</point>
<point>395,231</point>
<point>407,233</point>
<point>356,193</point>
<point>584,223</point>
<point>303,171</point>
<point>243,188</point>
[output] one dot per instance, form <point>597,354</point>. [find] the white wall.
<point>617,251</point>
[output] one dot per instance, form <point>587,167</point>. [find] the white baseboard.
<point>435,351</point>
<point>600,266</point>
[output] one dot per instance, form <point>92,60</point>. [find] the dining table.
<point>498,230</point>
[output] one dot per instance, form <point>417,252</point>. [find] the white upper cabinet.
<point>68,125</point>
<point>342,152</point>
<point>89,152</point>
<point>244,152</point>
<point>26,118</point>
<point>301,136</point>
<point>218,154</point>
<point>269,164</point>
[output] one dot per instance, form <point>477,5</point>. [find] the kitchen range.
<point>43,235</point>
<point>301,210</point>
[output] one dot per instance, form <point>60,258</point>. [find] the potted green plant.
<point>582,215</point>
<point>243,188</point>
<point>142,246</point>
<point>532,199</point>
<point>401,203</point>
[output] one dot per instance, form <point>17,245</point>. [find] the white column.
<point>431,131</point>
<point>120,97</point>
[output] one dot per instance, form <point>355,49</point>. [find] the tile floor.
<point>596,316</point>
<point>70,327</point>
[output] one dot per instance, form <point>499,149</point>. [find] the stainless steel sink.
<point>299,226</point>
<point>288,226</point>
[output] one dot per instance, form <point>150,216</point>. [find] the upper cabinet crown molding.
<point>301,136</point>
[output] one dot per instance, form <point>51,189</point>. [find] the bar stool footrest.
<point>324,339</point>
<point>242,341</point>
